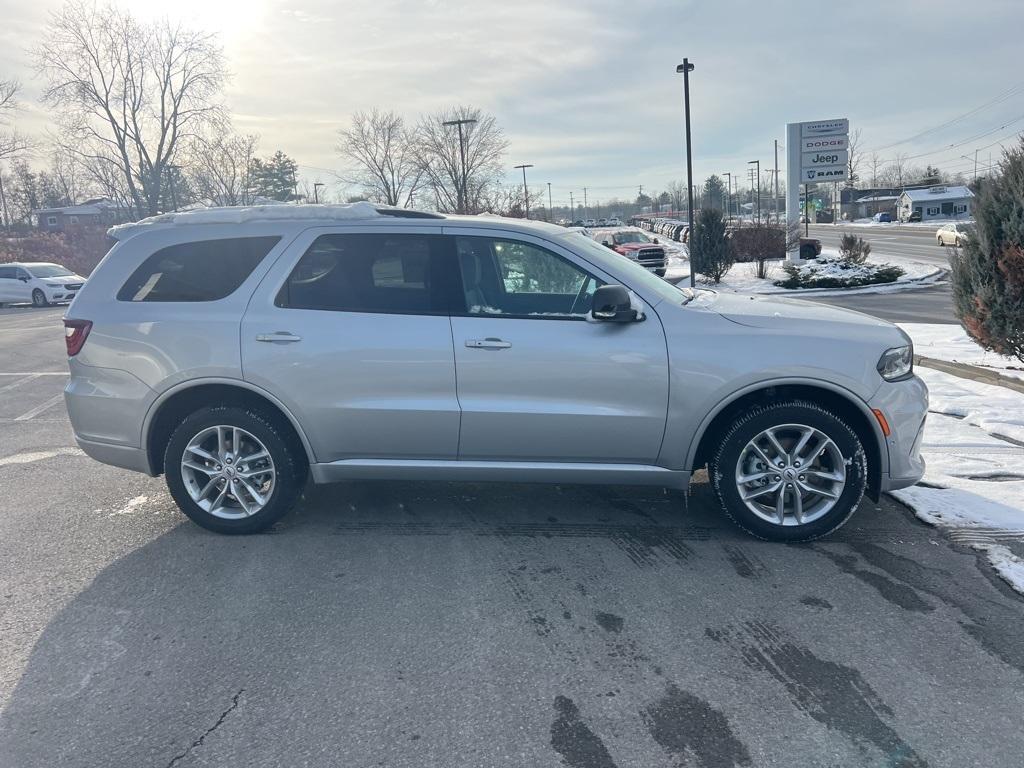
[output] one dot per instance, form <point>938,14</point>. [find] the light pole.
<point>758,163</point>
<point>461,193</point>
<point>551,213</point>
<point>316,191</point>
<point>526,192</point>
<point>686,68</point>
<point>965,157</point>
<point>584,204</point>
<point>572,210</point>
<point>775,201</point>
<point>728,192</point>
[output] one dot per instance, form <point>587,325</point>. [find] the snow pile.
<point>974,477</point>
<point>245,214</point>
<point>952,344</point>
<point>833,271</point>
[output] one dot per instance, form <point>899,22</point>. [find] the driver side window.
<point>518,279</point>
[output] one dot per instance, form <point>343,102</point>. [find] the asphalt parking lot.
<point>417,624</point>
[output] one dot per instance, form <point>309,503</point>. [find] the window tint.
<point>369,273</point>
<point>201,271</point>
<point>509,277</point>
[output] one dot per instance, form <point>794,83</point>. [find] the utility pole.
<point>572,210</point>
<point>526,192</point>
<point>584,203</point>
<point>551,213</point>
<point>686,68</point>
<point>758,164</point>
<point>316,191</point>
<point>728,192</point>
<point>460,193</point>
<point>775,207</point>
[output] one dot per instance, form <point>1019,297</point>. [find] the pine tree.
<point>710,254</point>
<point>274,177</point>
<point>988,272</point>
<point>714,193</point>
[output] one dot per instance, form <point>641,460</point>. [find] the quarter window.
<point>510,277</point>
<point>206,270</point>
<point>381,273</point>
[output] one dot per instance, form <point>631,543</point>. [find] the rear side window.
<point>381,273</point>
<point>205,270</point>
<point>7,273</point>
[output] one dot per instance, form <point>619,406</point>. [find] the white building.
<point>935,203</point>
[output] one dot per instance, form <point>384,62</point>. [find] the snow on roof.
<point>876,198</point>
<point>243,215</point>
<point>939,193</point>
<point>72,210</point>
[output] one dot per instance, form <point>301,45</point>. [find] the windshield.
<point>630,237</point>
<point>635,275</point>
<point>48,270</point>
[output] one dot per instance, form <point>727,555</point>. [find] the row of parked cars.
<point>670,228</point>
<point>591,223</point>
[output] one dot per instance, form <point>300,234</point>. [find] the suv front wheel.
<point>790,471</point>
<point>231,470</point>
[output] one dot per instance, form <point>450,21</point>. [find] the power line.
<point>1000,98</point>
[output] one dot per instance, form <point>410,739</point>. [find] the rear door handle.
<point>284,336</point>
<point>488,343</point>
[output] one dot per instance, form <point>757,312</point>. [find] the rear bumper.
<point>124,456</point>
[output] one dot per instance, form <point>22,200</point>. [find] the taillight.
<point>75,334</point>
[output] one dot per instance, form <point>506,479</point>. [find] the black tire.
<point>288,482</point>
<point>39,299</point>
<point>745,427</point>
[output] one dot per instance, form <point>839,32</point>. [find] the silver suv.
<point>240,351</point>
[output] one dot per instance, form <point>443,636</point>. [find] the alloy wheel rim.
<point>228,472</point>
<point>790,474</point>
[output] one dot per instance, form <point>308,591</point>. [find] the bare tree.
<point>855,157</point>
<point>440,158</point>
<point>12,143</point>
<point>875,162</point>
<point>128,95</point>
<point>383,157</point>
<point>220,167</point>
<point>678,192</point>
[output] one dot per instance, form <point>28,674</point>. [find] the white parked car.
<point>614,222</point>
<point>590,223</point>
<point>952,234</point>
<point>38,283</point>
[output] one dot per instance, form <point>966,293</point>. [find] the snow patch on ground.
<point>974,477</point>
<point>1007,565</point>
<point>951,343</point>
<point>33,456</point>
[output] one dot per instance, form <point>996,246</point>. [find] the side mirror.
<point>656,241</point>
<point>23,279</point>
<point>607,244</point>
<point>611,304</point>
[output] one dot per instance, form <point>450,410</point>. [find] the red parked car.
<point>636,246</point>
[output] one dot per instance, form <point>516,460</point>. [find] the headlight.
<point>896,363</point>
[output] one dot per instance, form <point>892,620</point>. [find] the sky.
<point>587,91</point>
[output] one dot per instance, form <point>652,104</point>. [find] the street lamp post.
<point>758,163</point>
<point>728,192</point>
<point>686,68</point>
<point>551,213</point>
<point>572,210</point>
<point>526,192</point>
<point>316,191</point>
<point>461,192</point>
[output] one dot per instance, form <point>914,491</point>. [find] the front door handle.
<point>284,336</point>
<point>488,343</point>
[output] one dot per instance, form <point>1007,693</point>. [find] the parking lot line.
<point>40,408</point>
<point>19,382</point>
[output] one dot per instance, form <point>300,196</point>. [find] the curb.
<point>971,372</point>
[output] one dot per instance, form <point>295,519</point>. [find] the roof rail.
<point>406,213</point>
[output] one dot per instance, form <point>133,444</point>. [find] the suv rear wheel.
<point>790,471</point>
<point>231,470</point>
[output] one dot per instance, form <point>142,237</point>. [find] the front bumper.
<point>905,406</point>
